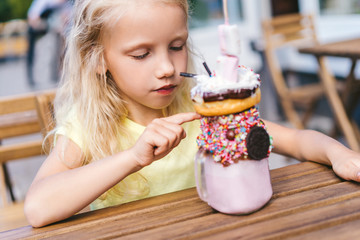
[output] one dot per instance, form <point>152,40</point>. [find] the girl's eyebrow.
<point>184,34</point>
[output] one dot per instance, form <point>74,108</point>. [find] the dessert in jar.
<point>231,166</point>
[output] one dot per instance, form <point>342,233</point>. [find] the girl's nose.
<point>165,67</point>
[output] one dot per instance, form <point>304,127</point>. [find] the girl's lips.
<point>166,90</point>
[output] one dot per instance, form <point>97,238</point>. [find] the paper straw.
<point>225,8</point>
<point>207,68</point>
<point>191,75</point>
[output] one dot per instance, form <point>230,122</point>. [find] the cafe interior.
<point>305,51</point>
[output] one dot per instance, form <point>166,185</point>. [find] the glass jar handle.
<point>200,174</point>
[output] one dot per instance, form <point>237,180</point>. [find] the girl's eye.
<point>139,57</point>
<point>177,48</point>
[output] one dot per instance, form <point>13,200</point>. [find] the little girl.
<point>125,122</point>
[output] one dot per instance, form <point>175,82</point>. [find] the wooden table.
<point>341,105</point>
<point>309,202</point>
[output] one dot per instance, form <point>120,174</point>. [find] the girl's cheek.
<point>182,61</point>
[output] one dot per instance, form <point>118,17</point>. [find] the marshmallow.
<point>227,68</point>
<point>229,39</point>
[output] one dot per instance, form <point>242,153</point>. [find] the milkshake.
<point>231,166</point>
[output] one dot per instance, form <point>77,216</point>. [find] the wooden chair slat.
<point>296,41</point>
<point>289,29</point>
<point>17,124</point>
<point>19,130</point>
<point>18,118</point>
<point>286,19</point>
<point>17,104</point>
<point>21,150</point>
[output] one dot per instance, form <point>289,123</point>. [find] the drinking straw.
<point>225,8</point>
<point>207,68</point>
<point>191,75</point>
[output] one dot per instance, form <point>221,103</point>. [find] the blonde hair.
<point>95,98</point>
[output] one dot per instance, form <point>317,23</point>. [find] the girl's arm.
<point>309,145</point>
<point>59,192</point>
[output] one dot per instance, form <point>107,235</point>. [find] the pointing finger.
<point>181,118</point>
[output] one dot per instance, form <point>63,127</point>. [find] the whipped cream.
<point>246,79</point>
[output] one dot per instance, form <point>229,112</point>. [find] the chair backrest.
<point>286,30</point>
<point>291,29</point>
<point>45,110</point>
<point>18,117</point>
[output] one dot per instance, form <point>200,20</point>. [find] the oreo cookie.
<point>257,143</point>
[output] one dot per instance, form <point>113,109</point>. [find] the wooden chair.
<point>13,38</point>
<point>294,30</point>
<point>18,117</point>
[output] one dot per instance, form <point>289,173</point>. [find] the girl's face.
<point>145,52</point>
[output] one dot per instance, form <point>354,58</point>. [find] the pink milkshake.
<point>231,166</point>
<point>239,189</point>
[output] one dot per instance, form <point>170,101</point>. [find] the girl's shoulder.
<point>70,127</point>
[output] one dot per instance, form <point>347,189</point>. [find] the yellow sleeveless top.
<point>172,173</point>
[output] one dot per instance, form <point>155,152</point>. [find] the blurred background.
<point>31,48</point>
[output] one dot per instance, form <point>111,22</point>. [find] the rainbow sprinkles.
<point>227,99</point>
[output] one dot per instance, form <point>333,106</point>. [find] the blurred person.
<point>47,16</point>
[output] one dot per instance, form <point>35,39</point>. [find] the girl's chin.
<point>161,105</point>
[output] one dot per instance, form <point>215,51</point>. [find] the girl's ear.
<point>108,75</point>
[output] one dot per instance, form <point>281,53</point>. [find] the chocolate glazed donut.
<point>228,106</point>
<point>230,94</point>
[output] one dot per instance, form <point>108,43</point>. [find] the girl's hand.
<point>160,137</point>
<point>347,166</point>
